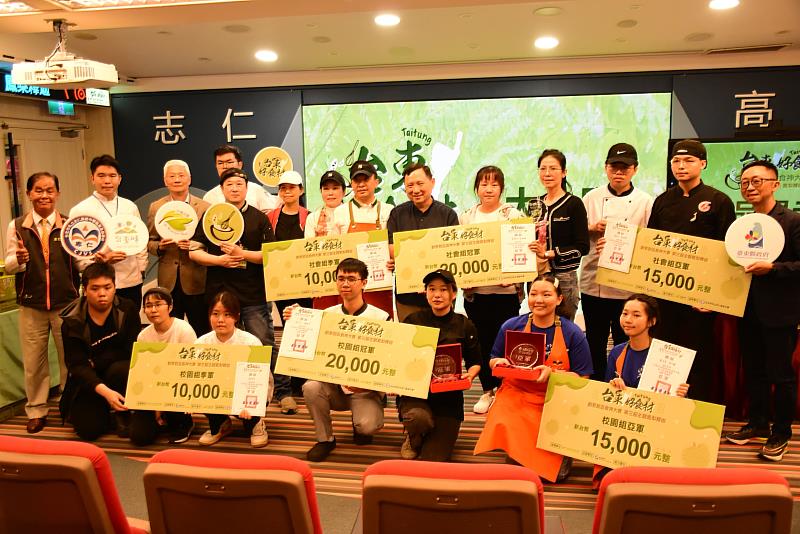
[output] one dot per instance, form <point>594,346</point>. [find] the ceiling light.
<point>387,19</point>
<point>267,56</point>
<point>546,43</point>
<point>723,4</point>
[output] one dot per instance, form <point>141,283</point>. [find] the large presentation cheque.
<point>181,377</point>
<point>594,422</point>
<point>473,253</point>
<point>682,268</point>
<point>357,352</point>
<point>306,267</point>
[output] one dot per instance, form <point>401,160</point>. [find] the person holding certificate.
<point>321,222</point>
<point>567,229</point>
<point>322,397</point>
<point>513,421</point>
<point>768,330</point>
<point>616,200</point>
<point>432,424</point>
<point>488,307</point>
<point>223,314</point>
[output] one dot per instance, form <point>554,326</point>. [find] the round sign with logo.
<point>128,234</point>
<point>754,237</point>
<point>83,236</point>
<point>270,162</point>
<point>223,224</point>
<point>176,220</point>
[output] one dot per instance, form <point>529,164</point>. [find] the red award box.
<point>446,374</point>
<point>525,350</point>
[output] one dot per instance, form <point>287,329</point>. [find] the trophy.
<point>446,373</point>
<point>525,350</point>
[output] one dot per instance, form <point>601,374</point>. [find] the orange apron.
<point>380,299</point>
<point>322,303</point>
<point>620,363</point>
<point>514,418</point>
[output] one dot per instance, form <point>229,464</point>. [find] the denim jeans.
<point>258,321</point>
<point>568,283</point>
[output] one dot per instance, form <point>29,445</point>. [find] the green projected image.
<point>725,162</point>
<point>458,137</point>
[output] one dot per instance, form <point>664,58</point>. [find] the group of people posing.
<point>219,289</point>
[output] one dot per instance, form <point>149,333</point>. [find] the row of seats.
<point>67,487</point>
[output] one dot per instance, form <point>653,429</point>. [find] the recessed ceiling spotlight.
<point>723,4</point>
<point>267,56</point>
<point>547,11</point>
<point>545,43</point>
<point>387,19</point>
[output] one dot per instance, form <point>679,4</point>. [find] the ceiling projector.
<point>62,70</point>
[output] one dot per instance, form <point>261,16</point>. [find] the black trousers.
<point>433,435</point>
<point>192,306</point>
<point>488,313</point>
<point>601,315</point>
<point>767,357</point>
<point>90,414</point>
<point>133,293</point>
<point>687,327</point>
<point>144,427</point>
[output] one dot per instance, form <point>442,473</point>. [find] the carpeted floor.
<point>340,475</point>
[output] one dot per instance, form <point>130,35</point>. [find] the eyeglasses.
<point>755,182</point>
<point>155,305</point>
<point>551,170</point>
<point>347,279</point>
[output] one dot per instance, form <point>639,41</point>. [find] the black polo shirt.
<point>246,283</point>
<point>406,217</point>
<point>453,328</point>
<point>705,212</point>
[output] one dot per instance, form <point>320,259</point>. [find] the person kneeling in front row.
<point>322,397</point>
<point>432,424</point>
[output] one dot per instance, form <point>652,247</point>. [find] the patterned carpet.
<point>341,474</point>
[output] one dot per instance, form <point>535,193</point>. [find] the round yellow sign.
<point>223,223</point>
<point>270,163</point>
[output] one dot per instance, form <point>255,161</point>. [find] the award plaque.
<point>446,373</point>
<point>525,350</point>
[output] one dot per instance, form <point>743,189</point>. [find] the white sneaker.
<point>259,438</point>
<point>484,403</point>
<point>209,439</point>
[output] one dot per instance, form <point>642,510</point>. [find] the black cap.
<point>622,153</point>
<point>442,274</point>
<point>689,147</point>
<point>332,176</point>
<point>362,168</point>
<point>231,173</point>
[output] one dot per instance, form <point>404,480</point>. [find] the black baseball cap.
<point>332,176</point>
<point>622,153</point>
<point>442,274</point>
<point>362,168</point>
<point>232,172</point>
<point>690,147</point>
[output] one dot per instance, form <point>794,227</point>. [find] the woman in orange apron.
<point>640,314</point>
<point>513,420</point>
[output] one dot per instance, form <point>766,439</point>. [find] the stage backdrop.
<point>458,137</point>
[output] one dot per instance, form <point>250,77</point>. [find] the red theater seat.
<point>196,491</point>
<point>59,487</point>
<point>412,497</point>
<point>657,500</point>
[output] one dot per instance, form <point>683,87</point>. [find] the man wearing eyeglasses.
<point>768,330</point>
<point>322,397</point>
<point>230,157</point>
<point>692,208</point>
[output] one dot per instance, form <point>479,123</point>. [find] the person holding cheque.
<point>223,314</point>
<point>489,307</point>
<point>432,424</point>
<point>322,397</point>
<point>513,421</point>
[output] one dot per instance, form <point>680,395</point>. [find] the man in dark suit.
<point>768,330</point>
<point>184,278</point>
